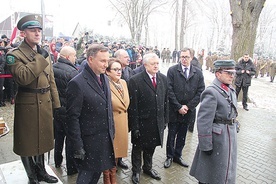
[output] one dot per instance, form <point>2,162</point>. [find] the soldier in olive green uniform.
<point>37,96</point>
<point>208,62</point>
<point>262,68</point>
<point>214,58</point>
<point>272,71</point>
<point>257,64</point>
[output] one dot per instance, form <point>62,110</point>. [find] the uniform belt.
<point>36,90</point>
<point>228,122</point>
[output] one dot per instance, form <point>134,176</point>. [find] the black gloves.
<point>136,134</point>
<point>208,152</point>
<point>42,51</point>
<point>79,154</point>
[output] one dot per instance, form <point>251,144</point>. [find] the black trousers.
<point>176,139</point>
<point>60,137</point>
<point>1,90</point>
<point>244,95</point>
<point>136,157</point>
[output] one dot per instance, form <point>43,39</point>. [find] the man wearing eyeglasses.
<point>245,69</point>
<point>215,159</point>
<point>185,85</point>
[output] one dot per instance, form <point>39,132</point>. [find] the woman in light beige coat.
<point>120,103</point>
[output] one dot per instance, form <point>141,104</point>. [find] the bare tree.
<point>245,17</point>
<point>176,3</point>
<point>265,30</point>
<point>135,13</point>
<point>183,25</point>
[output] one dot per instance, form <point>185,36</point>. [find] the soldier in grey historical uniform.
<point>215,160</point>
<point>35,100</point>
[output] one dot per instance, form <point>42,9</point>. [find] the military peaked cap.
<point>29,22</point>
<point>221,64</point>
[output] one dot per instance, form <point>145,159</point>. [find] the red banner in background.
<point>13,34</point>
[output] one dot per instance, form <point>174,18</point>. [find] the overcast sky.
<point>67,14</point>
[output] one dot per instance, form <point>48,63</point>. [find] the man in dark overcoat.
<point>35,100</point>
<point>89,122</point>
<point>245,69</point>
<point>215,160</point>
<point>148,115</point>
<point>185,85</point>
<point>64,70</point>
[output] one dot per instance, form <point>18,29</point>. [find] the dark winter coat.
<point>148,110</point>
<point>220,166</point>
<point>64,71</point>
<point>90,122</point>
<point>184,91</point>
<point>33,113</point>
<point>244,79</point>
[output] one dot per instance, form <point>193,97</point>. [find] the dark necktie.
<point>100,82</point>
<point>185,72</point>
<point>153,82</point>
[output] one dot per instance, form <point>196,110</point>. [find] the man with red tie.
<point>148,115</point>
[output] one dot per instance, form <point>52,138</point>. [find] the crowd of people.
<point>88,96</point>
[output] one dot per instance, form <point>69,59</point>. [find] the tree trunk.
<point>176,25</point>
<point>182,27</point>
<point>245,17</point>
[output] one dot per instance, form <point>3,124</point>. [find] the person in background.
<point>272,70</point>
<point>215,159</point>
<point>127,72</point>
<point>120,103</point>
<point>2,72</point>
<point>174,55</point>
<point>35,100</point>
<point>148,115</point>
<point>195,61</point>
<point>185,83</point>
<point>53,52</point>
<point>64,70</point>
<point>168,55</point>
<point>163,55</point>
<point>245,70</point>
<point>89,124</point>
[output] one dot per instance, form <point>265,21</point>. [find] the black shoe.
<point>168,163</point>
<point>122,164</point>
<point>180,161</point>
<point>246,108</point>
<point>153,173</point>
<point>47,178</point>
<point>135,178</point>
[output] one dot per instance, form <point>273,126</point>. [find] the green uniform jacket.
<point>33,114</point>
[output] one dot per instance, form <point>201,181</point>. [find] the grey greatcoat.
<point>33,118</point>
<point>220,166</point>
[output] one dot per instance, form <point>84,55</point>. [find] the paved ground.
<point>256,143</point>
